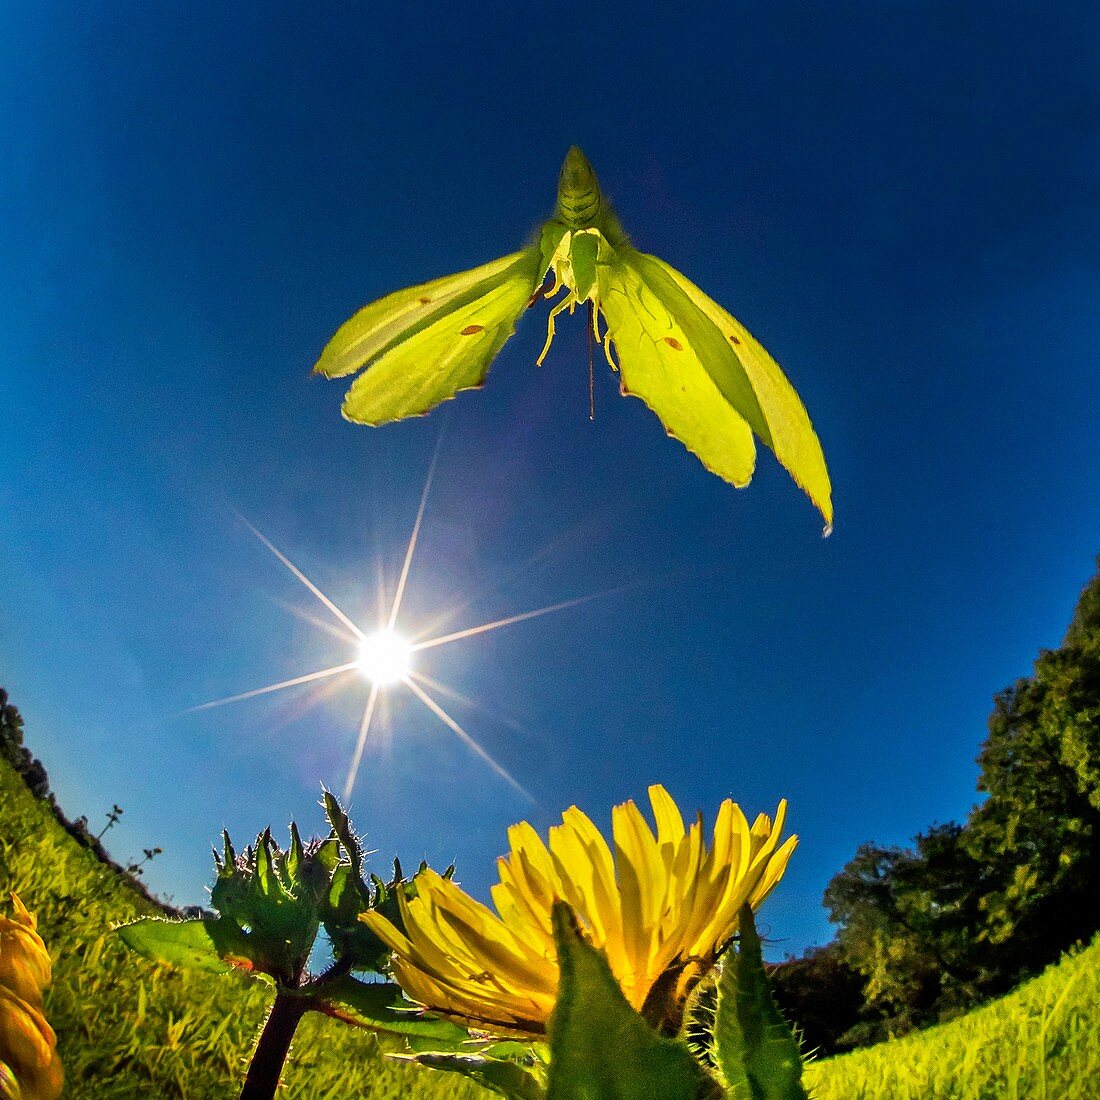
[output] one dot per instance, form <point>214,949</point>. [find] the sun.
<point>385,658</point>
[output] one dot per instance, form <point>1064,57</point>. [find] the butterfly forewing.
<point>449,350</point>
<point>400,316</point>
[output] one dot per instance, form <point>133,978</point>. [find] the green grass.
<point>127,1028</point>
<point>1042,1042</point>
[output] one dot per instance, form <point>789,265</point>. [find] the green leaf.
<point>174,943</point>
<point>269,886</point>
<point>600,1048</point>
<point>753,1045</point>
<point>504,1077</point>
<point>380,1006</point>
<point>341,827</point>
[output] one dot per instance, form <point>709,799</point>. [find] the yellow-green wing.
<point>423,344</point>
<point>785,425</point>
<point>660,363</point>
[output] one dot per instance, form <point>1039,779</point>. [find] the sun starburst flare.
<point>663,908</point>
<point>385,657</point>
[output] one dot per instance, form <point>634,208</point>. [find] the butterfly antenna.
<point>591,372</point>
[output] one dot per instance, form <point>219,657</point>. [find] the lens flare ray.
<point>504,719</point>
<point>315,619</point>
<point>523,616</point>
<point>307,678</point>
<point>411,548</point>
<point>466,739</point>
<point>361,741</point>
<point>304,579</point>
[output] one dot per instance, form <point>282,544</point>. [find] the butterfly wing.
<point>661,363</point>
<point>775,412</point>
<point>705,376</point>
<point>421,345</point>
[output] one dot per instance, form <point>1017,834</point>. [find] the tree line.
<point>927,932</point>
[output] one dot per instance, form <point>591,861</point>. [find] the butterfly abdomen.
<point>579,198</point>
<point>579,209</point>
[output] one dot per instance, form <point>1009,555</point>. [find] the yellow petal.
<point>642,890</point>
<point>670,825</point>
<point>29,1047</point>
<point>663,903</point>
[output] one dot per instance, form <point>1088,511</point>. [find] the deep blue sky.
<point>900,200</point>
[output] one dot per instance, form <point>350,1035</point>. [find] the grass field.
<point>1042,1041</point>
<point>128,1029</point>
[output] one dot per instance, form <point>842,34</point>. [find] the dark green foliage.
<point>1039,828</point>
<point>973,909</point>
<point>910,923</point>
<point>823,992</point>
<point>16,753</point>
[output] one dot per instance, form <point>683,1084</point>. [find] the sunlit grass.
<point>1041,1042</point>
<point>127,1028</point>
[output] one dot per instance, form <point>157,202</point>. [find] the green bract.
<point>271,903</point>
<point>710,383</point>
<point>753,1047</point>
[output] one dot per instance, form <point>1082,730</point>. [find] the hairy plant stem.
<point>270,1054</point>
<point>271,1050</point>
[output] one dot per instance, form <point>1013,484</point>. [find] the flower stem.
<point>271,1050</point>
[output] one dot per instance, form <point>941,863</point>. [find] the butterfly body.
<point>710,383</point>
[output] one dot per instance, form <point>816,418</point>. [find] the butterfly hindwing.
<point>660,362</point>
<point>785,425</point>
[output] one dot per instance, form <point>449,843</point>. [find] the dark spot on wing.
<point>424,301</point>
<point>734,340</point>
<point>469,330</point>
<point>674,343</point>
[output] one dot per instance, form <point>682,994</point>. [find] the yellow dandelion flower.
<point>30,1068</point>
<point>662,907</point>
<point>24,960</point>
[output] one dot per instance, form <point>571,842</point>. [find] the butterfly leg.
<point>560,307</point>
<point>607,352</point>
<point>605,340</point>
